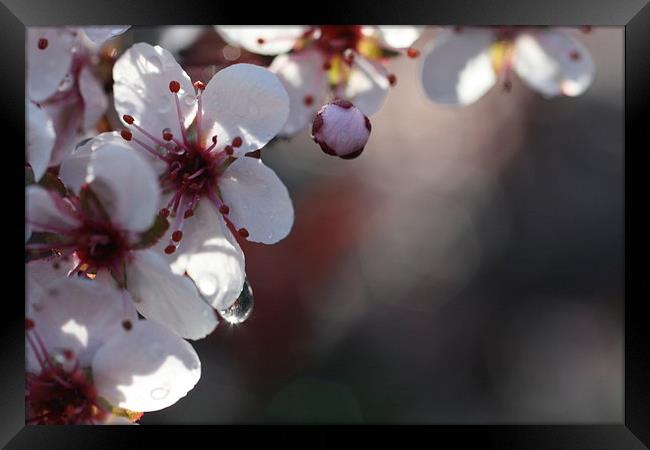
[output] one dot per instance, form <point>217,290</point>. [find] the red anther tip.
<point>126,134</point>
<point>42,44</point>
<point>392,79</point>
<point>574,55</point>
<point>200,85</point>
<point>412,52</point>
<point>128,119</point>
<point>68,354</point>
<point>29,324</point>
<point>243,232</point>
<point>237,142</point>
<point>164,212</point>
<point>127,325</point>
<point>228,149</point>
<point>260,41</point>
<point>177,236</point>
<point>167,135</point>
<point>327,65</point>
<point>189,213</point>
<point>214,139</point>
<point>174,86</point>
<point>224,209</point>
<point>308,100</point>
<point>170,249</point>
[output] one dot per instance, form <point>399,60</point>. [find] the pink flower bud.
<point>341,129</point>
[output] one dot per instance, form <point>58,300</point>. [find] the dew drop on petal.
<point>159,393</point>
<point>207,284</point>
<point>241,310</point>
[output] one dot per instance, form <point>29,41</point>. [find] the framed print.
<point>417,224</point>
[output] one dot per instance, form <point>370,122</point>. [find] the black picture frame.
<point>634,15</point>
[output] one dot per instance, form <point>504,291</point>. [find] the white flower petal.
<point>553,63</point>
<point>67,115</point>
<point>47,67</point>
<point>94,98</point>
<point>457,68</point>
<point>47,211</point>
<point>123,180</point>
<point>146,368</point>
<point>275,39</point>
<point>40,139</point>
<point>78,315</point>
<point>99,35</point>
<point>175,38</point>
<point>367,86</point>
<point>258,200</point>
<point>167,298</point>
<point>246,101</point>
<point>211,256</point>
<point>39,273</point>
<point>399,36</point>
<point>305,80</point>
<point>142,76</point>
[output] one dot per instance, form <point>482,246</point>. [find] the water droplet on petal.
<point>159,393</point>
<point>207,284</point>
<point>241,310</point>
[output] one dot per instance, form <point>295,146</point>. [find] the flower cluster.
<point>142,182</point>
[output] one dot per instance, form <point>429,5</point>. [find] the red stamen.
<point>29,324</point>
<point>228,149</point>
<point>261,41</point>
<point>392,79</point>
<point>200,85</point>
<point>189,213</point>
<point>237,142</point>
<point>174,86</point>
<point>170,249</point>
<point>243,232</point>
<point>127,325</point>
<point>412,52</point>
<point>177,235</point>
<point>42,44</point>
<point>224,209</point>
<point>126,134</point>
<point>164,212</point>
<point>128,119</point>
<point>308,100</point>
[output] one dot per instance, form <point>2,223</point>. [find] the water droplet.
<point>159,393</point>
<point>207,284</point>
<point>241,310</point>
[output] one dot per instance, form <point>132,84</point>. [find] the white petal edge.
<point>94,98</point>
<point>141,89</point>
<point>47,211</point>
<point>302,75</point>
<point>123,180</point>
<point>246,101</point>
<point>276,39</point>
<point>457,68</point>
<point>553,63</point>
<point>78,315</point>
<point>146,368</point>
<point>258,200</point>
<point>47,67</point>
<point>40,139</point>
<point>167,298</point>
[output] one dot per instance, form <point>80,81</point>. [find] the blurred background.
<point>466,268</point>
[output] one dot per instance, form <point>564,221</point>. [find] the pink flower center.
<point>101,245</point>
<point>56,395</point>
<point>193,164</point>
